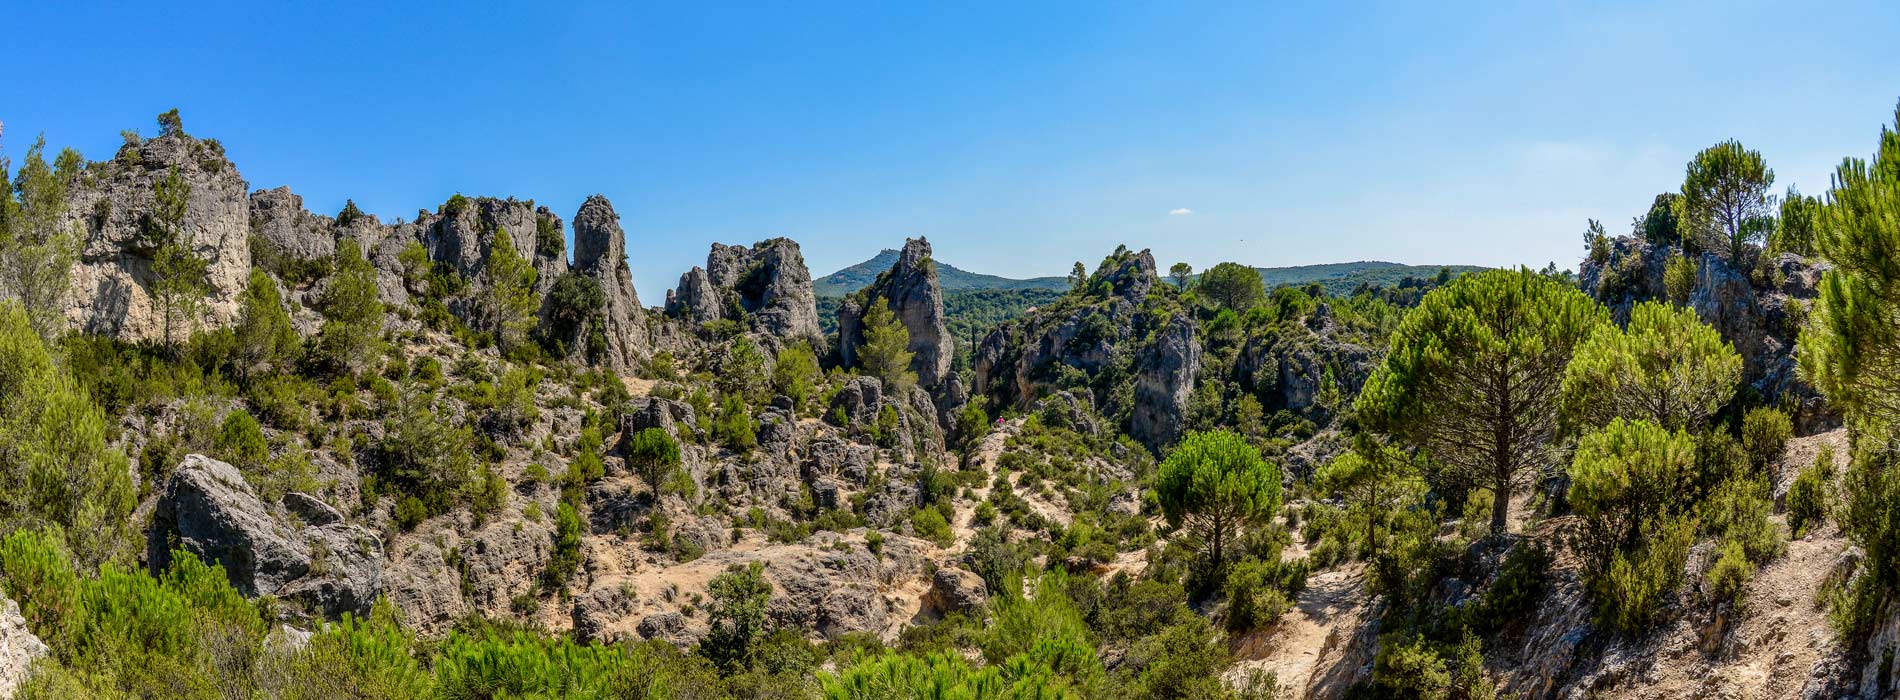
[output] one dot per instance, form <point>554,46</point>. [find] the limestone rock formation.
<point>915,296</point>
<point>765,286</point>
<point>19,649</point>
<point>1164,380</point>
<point>208,509</point>
<point>113,203</point>
<point>600,254</point>
<point>1757,307</point>
<point>1025,359</point>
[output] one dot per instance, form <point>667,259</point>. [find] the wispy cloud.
<point>1183,211</point>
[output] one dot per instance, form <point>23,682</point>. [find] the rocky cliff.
<point>116,204</point>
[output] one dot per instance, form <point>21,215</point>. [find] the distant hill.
<point>856,277</point>
<point>1340,279</point>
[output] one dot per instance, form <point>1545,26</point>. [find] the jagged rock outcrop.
<point>1164,381</point>
<point>1287,369</point>
<point>113,202</point>
<point>279,219</point>
<point>19,648</point>
<point>600,255</point>
<point>915,297</point>
<point>208,509</point>
<point>1756,307</point>
<point>462,232</point>
<point>1028,358</point>
<point>1632,273</point>
<point>766,286</point>
<point>1023,360</point>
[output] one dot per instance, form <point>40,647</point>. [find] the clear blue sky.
<point>1019,137</point>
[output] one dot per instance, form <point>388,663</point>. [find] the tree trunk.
<point>1500,507</point>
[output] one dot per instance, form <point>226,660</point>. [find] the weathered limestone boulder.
<point>956,590</point>
<point>766,285</point>
<point>113,283</point>
<point>832,591</point>
<point>208,509</point>
<point>424,588</point>
<point>19,649</point>
<point>600,254</point>
<point>913,293</point>
<point>1164,380</point>
<point>650,412</point>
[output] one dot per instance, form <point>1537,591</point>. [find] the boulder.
<point>915,296</point>
<point>208,509</point>
<point>19,649</point>
<point>956,590</point>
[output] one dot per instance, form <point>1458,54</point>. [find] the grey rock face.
<point>835,591</point>
<point>1724,299</point>
<point>462,234</point>
<point>915,296</point>
<point>666,414</point>
<point>767,284</point>
<point>1632,273</point>
<point>19,649</point>
<point>279,218</point>
<point>600,253</point>
<point>208,509</point>
<point>113,281</point>
<point>1164,380</point>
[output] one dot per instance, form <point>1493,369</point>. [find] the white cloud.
<point>1183,211</point>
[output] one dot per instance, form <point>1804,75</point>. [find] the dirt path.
<point>1309,638</point>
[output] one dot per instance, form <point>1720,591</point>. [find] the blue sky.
<point>1019,137</point>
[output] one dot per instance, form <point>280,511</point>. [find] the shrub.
<point>1254,595</point>
<point>241,441</point>
<point>1738,513</point>
<point>1728,577</point>
<point>1808,496</point>
<point>930,524</point>
<point>1410,668</point>
<point>1765,433</point>
<point>654,453</point>
<point>1631,590</point>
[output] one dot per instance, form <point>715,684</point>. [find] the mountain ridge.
<point>1339,278</point>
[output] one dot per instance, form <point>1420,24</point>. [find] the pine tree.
<point>265,337</point>
<point>886,353</point>
<point>37,249</point>
<point>1725,199</point>
<point>179,273</point>
<point>508,301</point>
<point>351,337</point>
<point>1853,334</point>
<point>1473,375</point>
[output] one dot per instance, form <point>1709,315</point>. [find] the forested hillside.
<point>254,451</point>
